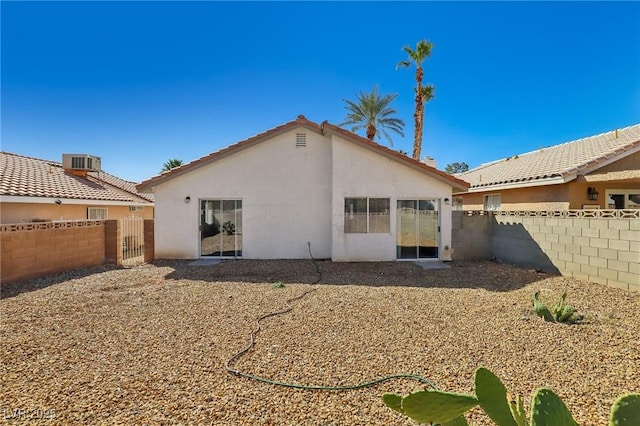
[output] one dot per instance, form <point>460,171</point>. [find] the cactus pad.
<point>541,309</point>
<point>393,401</point>
<point>429,406</point>
<point>517,410</point>
<point>492,396</point>
<point>626,411</point>
<point>547,409</point>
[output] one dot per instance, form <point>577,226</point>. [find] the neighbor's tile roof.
<point>563,162</point>
<point>320,128</point>
<point>32,177</point>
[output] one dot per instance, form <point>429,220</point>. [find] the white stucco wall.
<point>291,196</point>
<point>285,192</point>
<point>360,172</point>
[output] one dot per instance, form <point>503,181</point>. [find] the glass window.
<point>457,203</point>
<point>492,202</point>
<point>623,199</point>
<point>367,215</point>
<point>355,215</point>
<point>379,216</point>
<point>97,213</point>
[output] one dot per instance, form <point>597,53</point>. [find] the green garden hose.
<point>288,308</point>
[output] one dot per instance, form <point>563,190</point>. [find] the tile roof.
<point>558,163</point>
<point>455,182</point>
<point>33,177</point>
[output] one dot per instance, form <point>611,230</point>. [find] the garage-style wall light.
<point>592,193</point>
<point>187,199</point>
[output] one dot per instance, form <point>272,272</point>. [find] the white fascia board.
<point>525,184</point>
<point>73,201</point>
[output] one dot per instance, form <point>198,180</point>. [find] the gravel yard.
<point>148,345</point>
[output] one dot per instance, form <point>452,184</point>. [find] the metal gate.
<point>132,241</point>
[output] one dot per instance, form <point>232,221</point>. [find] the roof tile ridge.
<point>582,139</point>
<point>44,160</point>
<point>111,185</point>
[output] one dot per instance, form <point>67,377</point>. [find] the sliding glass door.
<point>221,228</point>
<point>417,230</point>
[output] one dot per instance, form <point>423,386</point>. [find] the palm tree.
<point>174,162</point>
<point>373,113</point>
<point>423,93</point>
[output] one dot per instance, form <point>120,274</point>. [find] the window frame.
<point>97,209</point>
<point>485,204</point>
<point>625,193</point>
<point>347,211</point>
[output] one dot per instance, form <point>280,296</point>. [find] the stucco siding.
<point>40,212</point>
<point>552,197</point>
<point>360,172</point>
<point>285,192</point>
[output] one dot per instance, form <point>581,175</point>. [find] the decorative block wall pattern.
<point>29,250</point>
<point>33,249</point>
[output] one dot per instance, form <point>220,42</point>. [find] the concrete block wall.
<point>31,250</point>
<point>471,236</point>
<point>598,246</point>
<point>113,242</point>
<point>149,242</point>
<point>604,250</point>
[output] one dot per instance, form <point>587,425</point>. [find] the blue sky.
<point>138,83</point>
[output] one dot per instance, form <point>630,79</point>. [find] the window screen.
<point>367,215</point>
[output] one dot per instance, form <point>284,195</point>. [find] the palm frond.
<point>372,109</point>
<point>417,56</point>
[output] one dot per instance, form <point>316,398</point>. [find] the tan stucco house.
<point>596,172</point>
<point>36,190</point>
<point>303,189</point>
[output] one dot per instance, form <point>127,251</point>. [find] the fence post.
<point>113,242</point>
<point>149,248</point>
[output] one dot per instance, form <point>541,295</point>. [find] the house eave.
<point>555,180</point>
<point>608,159</point>
<point>69,201</point>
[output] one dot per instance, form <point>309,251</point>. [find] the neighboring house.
<point>597,172</point>
<point>303,189</point>
<point>35,190</point>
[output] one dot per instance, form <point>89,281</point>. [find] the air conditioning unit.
<point>81,162</point>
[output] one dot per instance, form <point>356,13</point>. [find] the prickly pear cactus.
<point>626,411</point>
<point>458,421</point>
<point>517,410</point>
<point>561,312</point>
<point>431,406</point>
<point>492,396</point>
<point>547,409</point>
<point>541,309</point>
<point>393,401</point>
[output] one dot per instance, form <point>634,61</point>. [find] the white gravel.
<point>148,345</point>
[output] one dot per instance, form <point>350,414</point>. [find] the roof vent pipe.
<point>616,133</point>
